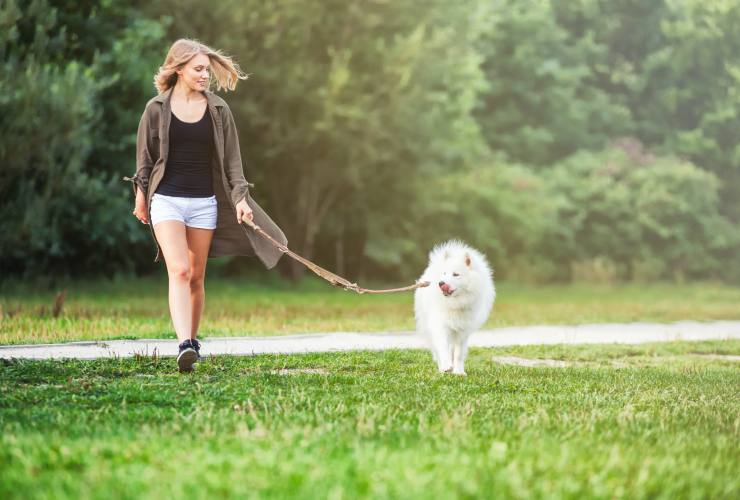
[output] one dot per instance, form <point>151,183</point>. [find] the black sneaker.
<point>196,346</point>
<point>187,356</point>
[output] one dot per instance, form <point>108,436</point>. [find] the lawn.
<point>125,309</point>
<point>648,421</point>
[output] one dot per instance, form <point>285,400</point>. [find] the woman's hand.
<point>140,208</point>
<point>243,211</point>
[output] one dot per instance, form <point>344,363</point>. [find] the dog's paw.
<point>461,373</point>
<point>445,370</point>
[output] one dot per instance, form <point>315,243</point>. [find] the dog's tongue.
<point>445,289</point>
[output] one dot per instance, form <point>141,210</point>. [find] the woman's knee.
<point>197,280</point>
<point>180,272</point>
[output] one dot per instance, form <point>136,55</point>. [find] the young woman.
<point>189,183</point>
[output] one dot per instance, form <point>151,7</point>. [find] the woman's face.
<point>196,72</point>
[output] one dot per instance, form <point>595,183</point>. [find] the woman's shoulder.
<point>153,109</point>
<point>152,105</point>
<point>216,99</point>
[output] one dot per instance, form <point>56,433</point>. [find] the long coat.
<point>229,184</point>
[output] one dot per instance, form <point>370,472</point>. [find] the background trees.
<point>70,72</point>
<point>569,140</point>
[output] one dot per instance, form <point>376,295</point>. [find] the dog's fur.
<point>456,303</point>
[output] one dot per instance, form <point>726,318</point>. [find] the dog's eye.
<point>455,274</point>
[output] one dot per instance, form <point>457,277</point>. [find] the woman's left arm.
<point>234,169</point>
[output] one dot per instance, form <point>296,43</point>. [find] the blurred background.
<point>570,140</point>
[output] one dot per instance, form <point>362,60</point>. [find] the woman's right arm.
<point>144,159</point>
<point>144,165</point>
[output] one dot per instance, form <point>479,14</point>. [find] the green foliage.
<point>124,69</point>
<point>43,165</point>
<point>650,217</point>
<point>500,209</point>
<point>565,76</point>
<point>67,129</point>
<point>541,103</point>
<point>374,130</point>
<point>690,86</point>
<point>618,214</point>
<point>674,65</point>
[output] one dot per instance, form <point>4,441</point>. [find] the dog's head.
<point>455,274</point>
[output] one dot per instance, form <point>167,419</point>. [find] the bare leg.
<point>171,237</point>
<point>199,243</point>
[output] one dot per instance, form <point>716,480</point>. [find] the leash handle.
<point>250,223</point>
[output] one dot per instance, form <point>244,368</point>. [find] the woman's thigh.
<point>172,238</point>
<point>199,243</point>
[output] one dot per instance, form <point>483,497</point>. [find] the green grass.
<point>659,420</point>
<point>118,309</point>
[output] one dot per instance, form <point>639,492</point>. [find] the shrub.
<point>652,217</point>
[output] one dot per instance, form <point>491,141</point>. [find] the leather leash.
<point>328,275</point>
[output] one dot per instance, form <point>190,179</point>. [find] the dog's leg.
<point>460,353</point>
<point>426,334</point>
<point>433,348</point>
<point>442,350</point>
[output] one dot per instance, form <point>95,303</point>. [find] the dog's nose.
<point>441,283</point>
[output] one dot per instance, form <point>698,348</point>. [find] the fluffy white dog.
<point>456,303</point>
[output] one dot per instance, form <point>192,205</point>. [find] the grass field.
<point>139,309</point>
<point>654,421</point>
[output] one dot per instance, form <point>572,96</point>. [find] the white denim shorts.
<point>193,212</point>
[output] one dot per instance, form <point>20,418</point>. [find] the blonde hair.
<point>224,69</point>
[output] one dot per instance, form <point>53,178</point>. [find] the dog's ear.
<point>467,259</point>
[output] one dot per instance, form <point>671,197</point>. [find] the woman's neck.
<point>184,93</point>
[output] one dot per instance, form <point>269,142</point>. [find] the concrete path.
<point>626,333</point>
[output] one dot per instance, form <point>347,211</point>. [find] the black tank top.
<point>189,172</point>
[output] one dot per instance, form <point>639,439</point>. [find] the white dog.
<point>456,303</point>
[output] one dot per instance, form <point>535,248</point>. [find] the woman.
<point>190,186</point>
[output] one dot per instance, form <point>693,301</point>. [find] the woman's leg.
<point>199,243</point>
<point>172,239</point>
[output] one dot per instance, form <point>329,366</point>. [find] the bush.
<point>69,75</point>
<point>498,208</point>
<point>651,217</point>
<point>620,214</point>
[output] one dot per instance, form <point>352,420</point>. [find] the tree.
<point>346,101</point>
<point>542,102</point>
<point>64,133</point>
